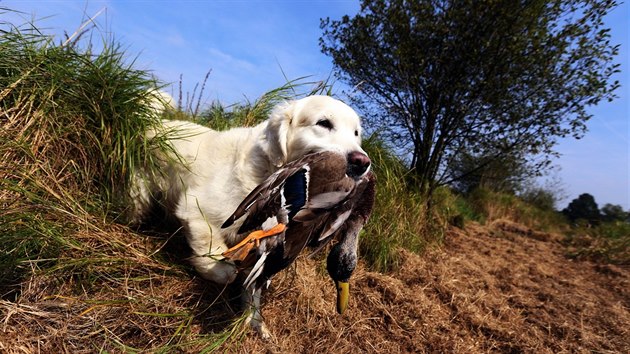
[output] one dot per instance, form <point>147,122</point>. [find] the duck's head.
<point>340,264</point>
<point>342,259</point>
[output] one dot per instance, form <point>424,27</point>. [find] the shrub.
<point>607,242</point>
<point>495,205</point>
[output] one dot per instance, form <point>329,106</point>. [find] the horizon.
<point>253,47</point>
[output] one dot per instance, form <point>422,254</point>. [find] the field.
<point>502,288</point>
<point>496,288</point>
<point>74,278</point>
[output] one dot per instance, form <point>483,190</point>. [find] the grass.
<point>399,219</point>
<point>607,242</point>
<point>489,205</point>
<point>247,114</point>
<point>72,122</point>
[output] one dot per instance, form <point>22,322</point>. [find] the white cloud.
<point>228,61</point>
<point>175,40</point>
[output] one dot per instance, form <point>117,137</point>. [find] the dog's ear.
<point>276,133</point>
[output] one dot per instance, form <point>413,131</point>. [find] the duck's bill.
<point>343,294</point>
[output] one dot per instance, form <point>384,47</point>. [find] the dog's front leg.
<point>206,252</point>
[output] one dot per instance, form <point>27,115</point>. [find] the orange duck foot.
<point>239,251</point>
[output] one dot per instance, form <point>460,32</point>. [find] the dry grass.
<point>502,288</point>
<point>117,295</point>
<point>490,289</point>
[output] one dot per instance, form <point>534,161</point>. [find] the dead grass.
<point>495,289</point>
<point>115,293</point>
<point>501,288</point>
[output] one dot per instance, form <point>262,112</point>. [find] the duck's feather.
<point>265,200</point>
<point>358,209</point>
<point>256,269</point>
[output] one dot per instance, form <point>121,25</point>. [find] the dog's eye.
<point>356,133</point>
<point>325,123</point>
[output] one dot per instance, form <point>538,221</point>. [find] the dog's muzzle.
<point>358,164</point>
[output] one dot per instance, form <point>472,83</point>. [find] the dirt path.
<point>501,288</point>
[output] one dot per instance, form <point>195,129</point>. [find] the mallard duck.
<point>321,197</point>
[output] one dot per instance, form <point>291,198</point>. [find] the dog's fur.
<point>216,170</point>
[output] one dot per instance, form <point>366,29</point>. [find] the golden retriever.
<point>215,171</point>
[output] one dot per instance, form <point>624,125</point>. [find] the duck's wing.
<point>286,186</point>
<point>350,216</point>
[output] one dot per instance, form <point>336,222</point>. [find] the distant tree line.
<point>584,209</point>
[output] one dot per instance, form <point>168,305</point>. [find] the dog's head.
<point>314,124</point>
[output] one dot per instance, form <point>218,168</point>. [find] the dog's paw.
<point>261,329</point>
<point>255,322</point>
<point>217,271</point>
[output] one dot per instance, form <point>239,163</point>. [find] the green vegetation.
<point>495,205</point>
<point>583,208</point>
<point>399,215</point>
<point>600,235</point>
<point>71,132</point>
<point>220,117</point>
<point>607,242</point>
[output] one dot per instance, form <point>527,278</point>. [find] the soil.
<point>502,288</point>
<point>496,288</point>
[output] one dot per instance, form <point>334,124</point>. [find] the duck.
<point>322,197</point>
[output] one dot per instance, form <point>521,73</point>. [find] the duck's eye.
<point>356,133</point>
<point>325,123</point>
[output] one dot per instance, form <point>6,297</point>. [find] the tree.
<point>583,208</point>
<point>439,78</point>
<point>546,195</point>
<point>507,173</point>
<point>542,198</point>
<point>611,212</point>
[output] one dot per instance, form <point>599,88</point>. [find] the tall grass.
<point>47,154</point>
<point>399,219</point>
<point>246,114</point>
<point>72,122</point>
<point>81,113</point>
<point>71,131</point>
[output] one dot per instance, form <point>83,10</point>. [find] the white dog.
<point>217,170</point>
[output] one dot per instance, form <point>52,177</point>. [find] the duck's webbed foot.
<point>240,251</point>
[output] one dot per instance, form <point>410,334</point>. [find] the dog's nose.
<point>358,163</point>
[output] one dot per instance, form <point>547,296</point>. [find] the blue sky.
<point>251,45</point>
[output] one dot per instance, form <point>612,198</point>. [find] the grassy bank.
<point>71,128</point>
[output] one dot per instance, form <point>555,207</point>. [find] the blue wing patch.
<point>295,192</point>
